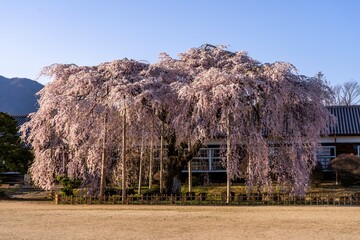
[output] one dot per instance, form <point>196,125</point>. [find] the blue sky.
<point>317,35</point>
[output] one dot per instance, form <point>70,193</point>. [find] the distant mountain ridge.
<point>17,95</point>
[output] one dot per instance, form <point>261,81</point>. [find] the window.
<point>325,155</point>
<point>207,159</point>
<point>203,153</point>
<point>200,164</point>
<point>156,162</point>
<point>201,161</point>
<point>216,162</point>
<point>217,165</point>
<point>215,153</point>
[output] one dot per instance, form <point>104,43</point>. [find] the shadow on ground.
<point>25,194</point>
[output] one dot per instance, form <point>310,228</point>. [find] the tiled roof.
<point>348,120</point>
<point>21,119</point>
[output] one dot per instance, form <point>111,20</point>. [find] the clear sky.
<point>314,35</point>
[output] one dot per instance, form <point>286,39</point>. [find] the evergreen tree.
<point>14,157</point>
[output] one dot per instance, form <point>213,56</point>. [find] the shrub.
<point>130,191</point>
<point>346,181</point>
<point>151,192</point>
<point>112,191</point>
<point>348,168</point>
<point>68,185</point>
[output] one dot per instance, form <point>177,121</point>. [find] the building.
<point>344,137</point>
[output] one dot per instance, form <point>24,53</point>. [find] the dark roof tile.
<point>348,120</point>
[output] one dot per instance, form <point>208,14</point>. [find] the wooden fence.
<point>318,198</point>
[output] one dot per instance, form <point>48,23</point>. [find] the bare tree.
<point>347,93</point>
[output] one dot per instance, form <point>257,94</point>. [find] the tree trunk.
<point>123,156</point>
<point>151,156</point>
<point>176,161</point>
<point>162,159</point>
<point>174,166</point>
<point>63,162</point>
<point>103,160</point>
<point>176,186</point>
<point>228,151</point>
<point>141,162</point>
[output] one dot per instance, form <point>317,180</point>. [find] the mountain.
<point>17,95</point>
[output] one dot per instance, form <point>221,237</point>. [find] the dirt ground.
<point>44,220</point>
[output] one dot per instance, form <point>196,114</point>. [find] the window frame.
<point>325,159</point>
<point>210,156</point>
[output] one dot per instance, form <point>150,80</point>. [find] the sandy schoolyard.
<point>44,220</point>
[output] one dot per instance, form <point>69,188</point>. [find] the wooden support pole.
<point>123,156</point>
<point>228,155</point>
<point>103,160</point>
